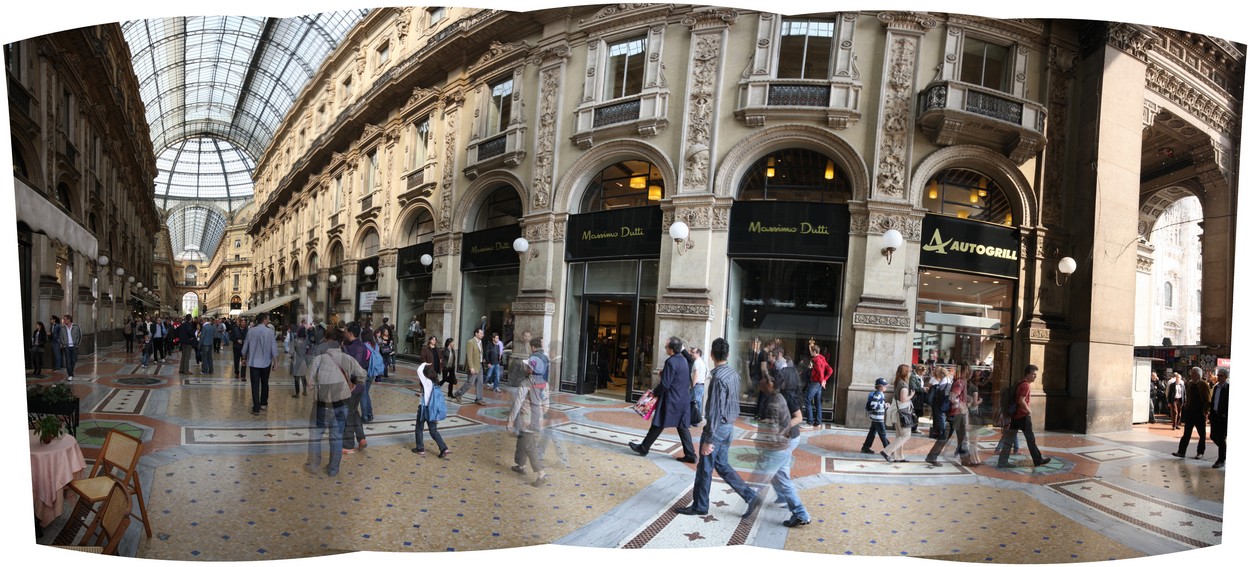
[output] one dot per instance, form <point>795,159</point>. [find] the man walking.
<point>160,331</point>
<point>1194,414</point>
<point>186,338</point>
<point>1219,416</point>
<point>58,352</point>
<point>673,407</point>
<point>260,347</point>
<point>473,366</point>
<point>1022,420</point>
<point>238,332</point>
<point>71,337</point>
<point>330,373</point>
<point>209,341</point>
<point>718,432</point>
<point>492,356</point>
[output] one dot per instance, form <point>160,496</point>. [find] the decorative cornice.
<point>912,21</point>
<point>533,307</point>
<point>707,18</point>
<point>618,16</point>
<point>684,311</point>
<point>879,322</point>
<point>1135,40</point>
<point>500,53</point>
<point>1182,91</point>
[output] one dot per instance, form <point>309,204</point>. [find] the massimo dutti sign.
<point>635,232</point>
<point>776,229</point>
<point>490,248</point>
<point>970,246</point>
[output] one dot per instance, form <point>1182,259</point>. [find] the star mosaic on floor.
<point>1182,524</point>
<point>723,525</point>
<point>663,444</point>
<point>277,435</point>
<point>868,466</point>
<point>128,402</point>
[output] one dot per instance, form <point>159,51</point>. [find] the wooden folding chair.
<point>118,462</point>
<point>113,519</point>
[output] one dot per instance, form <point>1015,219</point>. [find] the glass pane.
<point>795,175</point>
<point>413,293</point>
<point>487,295</point>
<point>784,303</point>
<point>572,326</point>
<point>973,66</point>
<point>790,55</point>
<point>819,50</point>
<point>650,284</point>
<point>996,67</point>
<point>612,277</point>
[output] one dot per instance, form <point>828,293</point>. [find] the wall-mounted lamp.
<point>308,284</point>
<point>521,245</point>
<point>290,290</point>
<point>680,233</point>
<point>130,279</point>
<point>371,274</point>
<point>1064,270</point>
<point>334,279</point>
<point>103,260</point>
<point>890,241</point>
<point>120,272</point>
<point>427,261</point>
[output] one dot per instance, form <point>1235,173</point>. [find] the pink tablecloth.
<point>52,467</point>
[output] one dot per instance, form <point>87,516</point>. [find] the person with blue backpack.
<point>376,367</point>
<point>431,409</point>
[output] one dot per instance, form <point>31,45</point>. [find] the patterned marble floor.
<point>222,484</point>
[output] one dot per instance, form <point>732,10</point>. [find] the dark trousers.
<point>355,427</point>
<point>1025,425</point>
<point>876,428</point>
<point>422,421</point>
<point>260,387</point>
<point>1219,431</point>
<point>130,343</point>
<point>687,444</point>
<point>36,358</point>
<point>71,360</point>
<point>159,348</point>
<point>184,365</point>
<point>1191,424</point>
<point>239,369</point>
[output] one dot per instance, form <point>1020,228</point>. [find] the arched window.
<point>795,174</point>
<point>630,183</point>
<point>967,194</point>
<point>192,273</point>
<point>1167,294</point>
<point>336,254</point>
<point>502,208</point>
<point>420,228</point>
<point>369,244</point>
<point>62,193</point>
<point>19,161</point>
<point>191,303</point>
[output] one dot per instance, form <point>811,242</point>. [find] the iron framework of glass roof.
<point>221,85</point>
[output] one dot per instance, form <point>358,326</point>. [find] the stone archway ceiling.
<point>215,89</point>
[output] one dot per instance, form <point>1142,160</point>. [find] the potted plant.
<point>55,400</point>
<point>48,428</point>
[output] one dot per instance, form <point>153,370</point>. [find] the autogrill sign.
<point>970,246</point>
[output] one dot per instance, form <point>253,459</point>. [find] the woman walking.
<point>38,339</point>
<point>893,452</point>
<point>957,419</point>
<point>128,331</point>
<point>300,362</point>
<point>431,409</point>
<point>446,364</point>
<point>387,347</point>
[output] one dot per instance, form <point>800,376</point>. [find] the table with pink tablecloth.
<point>52,467</point>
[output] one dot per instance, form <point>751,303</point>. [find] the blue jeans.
<point>811,402</point>
<point>718,460</point>
<point>492,376</point>
<point>366,402</point>
<point>939,423</point>
<point>71,360</point>
<point>776,463</point>
<point>206,355</point>
<point>696,396</point>
<point>336,419</point>
<point>875,428</point>
<point>56,355</point>
<point>422,420</point>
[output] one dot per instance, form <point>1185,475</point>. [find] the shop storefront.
<point>414,289</point>
<point>609,308</point>
<point>966,295</point>
<point>367,287</point>
<point>787,265</point>
<point>491,277</point>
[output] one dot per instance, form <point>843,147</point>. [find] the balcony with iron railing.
<point>417,185</point>
<point>370,206</point>
<point>834,102</point>
<point>337,224</point>
<point>953,112</point>
<point>643,114</point>
<point>505,149</point>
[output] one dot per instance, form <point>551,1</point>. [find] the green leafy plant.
<point>48,428</point>
<point>50,395</point>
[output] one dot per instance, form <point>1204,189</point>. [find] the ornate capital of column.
<point>709,18</point>
<point>912,21</point>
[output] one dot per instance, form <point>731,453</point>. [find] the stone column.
<point>1144,329</point>
<point>350,296</point>
<point>388,287</point>
<point>1107,180</point>
<point>1219,234</point>
<point>881,319</point>
<point>685,308</point>
<point>320,294</point>
<point>440,308</point>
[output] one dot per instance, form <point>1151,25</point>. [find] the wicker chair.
<point>117,463</point>
<point>112,521</point>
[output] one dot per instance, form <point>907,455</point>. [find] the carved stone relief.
<point>1182,92</point>
<point>892,167</point>
<point>702,97</point>
<point>544,163</point>
<point>907,225</point>
<point>449,158</point>
<point>1062,68</point>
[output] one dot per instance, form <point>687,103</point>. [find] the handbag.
<point>906,419</point>
<point>696,413</point>
<point>646,404</point>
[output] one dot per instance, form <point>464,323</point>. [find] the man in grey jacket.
<point>259,349</point>
<point>209,339</point>
<point>718,432</point>
<point>71,338</point>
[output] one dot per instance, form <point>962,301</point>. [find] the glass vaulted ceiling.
<point>215,90</point>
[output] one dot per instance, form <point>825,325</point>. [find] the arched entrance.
<point>191,304</point>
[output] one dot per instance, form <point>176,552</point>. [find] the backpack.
<point>437,408</point>
<point>377,366</point>
<point>939,397</point>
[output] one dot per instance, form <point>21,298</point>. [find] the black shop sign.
<point>951,243</point>
<point>775,229</point>
<point>490,248</point>
<point>409,260</point>
<point>635,232</point>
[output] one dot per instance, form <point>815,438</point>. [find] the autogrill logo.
<point>939,246</point>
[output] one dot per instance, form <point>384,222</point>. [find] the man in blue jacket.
<point>673,407</point>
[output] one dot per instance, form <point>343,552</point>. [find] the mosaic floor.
<point>222,484</point>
